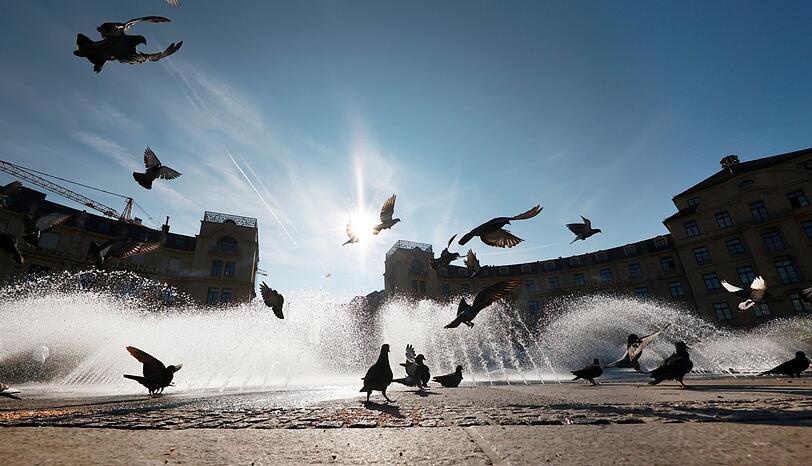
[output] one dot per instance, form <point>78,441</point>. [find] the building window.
<point>226,244</point>
<point>723,219</point>
<point>504,270</point>
<point>660,243</point>
<point>533,307</point>
<point>735,246</point>
<point>216,268</point>
<point>722,311</point>
<point>691,228</point>
<point>422,286</point>
<point>466,288</point>
<point>799,304</point>
<point>702,256</point>
<point>711,281</point>
<point>414,286</point>
<point>642,292</point>
<point>676,289</point>
<point>579,279</point>
<point>226,295</point>
<point>761,309</point>
<point>553,282</point>
<point>530,286</point>
<point>417,267</point>
<point>759,211</point>
<point>635,271</point>
<point>606,274</point>
<point>212,296</point>
<point>773,241</point>
<point>575,261</point>
<point>807,226</point>
<point>49,240</point>
<point>549,265</point>
<point>667,263</point>
<point>797,199</point>
<point>526,268</point>
<point>229,270</point>
<point>746,275</point>
<point>693,201</point>
<point>787,272</point>
<point>446,289</point>
<point>601,256</point>
<point>630,249</point>
<point>442,271</point>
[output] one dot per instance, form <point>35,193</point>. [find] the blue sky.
<point>467,110</point>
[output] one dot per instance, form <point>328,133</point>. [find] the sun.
<point>362,224</point>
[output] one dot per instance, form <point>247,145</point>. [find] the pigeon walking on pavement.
<point>466,312</point>
<point>674,367</point>
<point>156,376</point>
<point>379,375</point>
<point>8,392</point>
<point>492,233</point>
<point>793,368</point>
<point>589,373</point>
<point>451,380</point>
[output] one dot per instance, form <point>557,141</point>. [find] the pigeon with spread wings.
<point>472,263</point>
<point>582,231</point>
<point>492,233</point>
<point>272,299</point>
<point>156,376</point>
<point>446,257</point>
<point>102,253</point>
<point>155,169</point>
<point>634,349</point>
<point>387,211</point>
<point>34,228</point>
<point>417,373</point>
<point>466,312</point>
<point>117,45</point>
<point>8,243</point>
<point>751,297</point>
<point>351,235</point>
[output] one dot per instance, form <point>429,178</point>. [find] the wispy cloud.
<point>108,149</point>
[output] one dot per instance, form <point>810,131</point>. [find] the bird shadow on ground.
<point>392,410</point>
<point>424,393</point>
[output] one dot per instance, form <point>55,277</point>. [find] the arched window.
<point>226,244</point>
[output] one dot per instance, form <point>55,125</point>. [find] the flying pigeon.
<point>589,373</point>
<point>101,254</point>
<point>8,392</point>
<point>446,257</point>
<point>483,299</point>
<point>793,368</point>
<point>634,349</point>
<point>451,380</point>
<point>757,292</point>
<point>472,263</point>
<point>272,299</point>
<point>34,228</point>
<point>379,375</point>
<point>387,211</point>
<point>8,243</point>
<point>154,170</point>
<point>353,238</point>
<point>156,375</point>
<point>8,190</point>
<point>582,230</point>
<point>674,367</point>
<point>417,373</point>
<point>492,233</point>
<point>117,45</point>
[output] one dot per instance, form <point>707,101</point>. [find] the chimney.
<point>165,227</point>
<point>729,161</point>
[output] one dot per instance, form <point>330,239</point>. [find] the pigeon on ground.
<point>387,211</point>
<point>154,170</point>
<point>117,45</point>
<point>8,190</point>
<point>589,373</point>
<point>492,233</point>
<point>34,228</point>
<point>483,299</point>
<point>8,243</point>
<point>417,373</point>
<point>353,238</point>
<point>634,349</point>
<point>101,254</point>
<point>8,392</point>
<point>806,295</point>
<point>472,263</point>
<point>674,367</point>
<point>379,375</point>
<point>757,292</point>
<point>582,230</point>
<point>793,368</point>
<point>451,380</point>
<point>272,299</point>
<point>156,375</point>
<point>446,257</point>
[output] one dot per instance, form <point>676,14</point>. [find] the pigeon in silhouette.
<point>387,211</point>
<point>417,373</point>
<point>492,233</point>
<point>472,263</point>
<point>156,375</point>
<point>806,295</point>
<point>674,367</point>
<point>582,230</point>
<point>8,392</point>
<point>793,368</point>
<point>8,190</point>
<point>353,238</point>
<point>34,228</point>
<point>379,375</point>
<point>589,373</point>
<point>101,254</point>
<point>483,299</point>
<point>634,349</point>
<point>8,243</point>
<point>154,170</point>
<point>446,257</point>
<point>757,292</point>
<point>272,299</point>
<point>119,46</point>
<point>451,380</point>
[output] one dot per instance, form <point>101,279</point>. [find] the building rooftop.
<point>408,245</point>
<point>217,217</point>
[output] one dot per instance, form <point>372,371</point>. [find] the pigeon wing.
<point>806,294</point>
<point>451,240</point>
<point>577,228</point>
<point>174,3</point>
<point>471,261</point>
<point>140,57</point>
<point>46,222</point>
<point>149,19</point>
<point>167,173</point>
<point>133,249</point>
<point>736,290</point>
<point>529,214</point>
<point>493,293</point>
<point>388,209</point>
<point>152,366</point>
<point>501,239</point>
<point>645,341</point>
<point>272,299</point>
<point>587,223</point>
<point>150,159</point>
<point>758,289</point>
<point>410,353</point>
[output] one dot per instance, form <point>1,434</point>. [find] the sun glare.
<point>362,224</point>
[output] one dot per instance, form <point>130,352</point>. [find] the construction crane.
<point>32,176</point>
